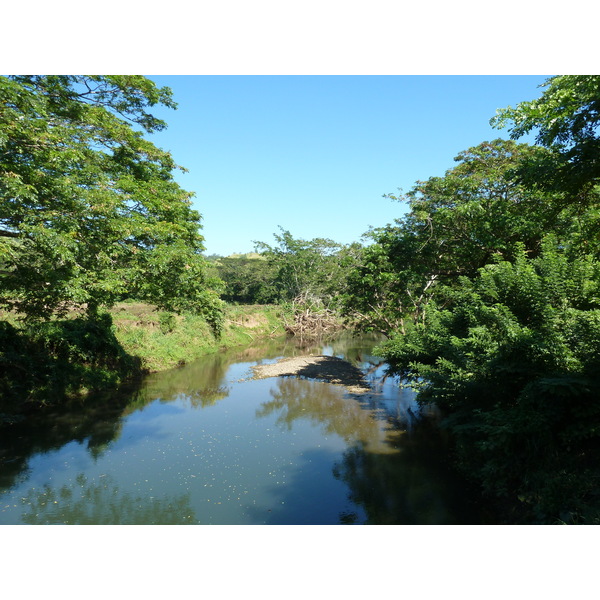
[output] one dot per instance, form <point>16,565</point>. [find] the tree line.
<point>487,288</point>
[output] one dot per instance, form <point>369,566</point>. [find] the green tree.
<point>247,279</point>
<point>512,357</point>
<point>89,209</point>
<point>307,269</point>
<point>566,118</point>
<point>381,289</point>
<point>475,214</point>
<point>507,343</point>
<point>478,212</point>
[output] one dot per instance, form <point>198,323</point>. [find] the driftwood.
<point>313,324</point>
<point>311,319</point>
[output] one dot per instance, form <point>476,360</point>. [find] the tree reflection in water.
<point>396,476</point>
<point>334,410</point>
<point>103,503</point>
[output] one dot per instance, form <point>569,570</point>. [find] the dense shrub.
<point>58,358</point>
<point>512,358</point>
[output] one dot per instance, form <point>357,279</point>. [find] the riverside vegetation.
<point>487,289</point>
<point>44,363</point>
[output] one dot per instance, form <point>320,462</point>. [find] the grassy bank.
<point>164,340</point>
<point>47,363</point>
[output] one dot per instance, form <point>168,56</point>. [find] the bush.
<point>513,361</point>
<point>43,362</point>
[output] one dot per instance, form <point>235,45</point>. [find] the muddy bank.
<point>322,368</point>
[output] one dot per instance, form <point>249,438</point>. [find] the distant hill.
<point>247,255</point>
<point>216,258</point>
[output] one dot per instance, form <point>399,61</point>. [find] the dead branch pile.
<point>312,321</point>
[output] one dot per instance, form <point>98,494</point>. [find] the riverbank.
<point>164,340</point>
<point>50,363</point>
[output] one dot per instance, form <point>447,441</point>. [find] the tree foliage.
<point>508,346</point>
<point>513,361</point>
<point>566,118</point>
<point>310,269</point>
<point>475,214</point>
<point>89,208</point>
<point>381,289</point>
<point>247,279</point>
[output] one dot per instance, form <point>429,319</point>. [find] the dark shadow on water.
<point>408,487</point>
<point>392,476</point>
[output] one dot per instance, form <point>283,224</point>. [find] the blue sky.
<point>315,154</point>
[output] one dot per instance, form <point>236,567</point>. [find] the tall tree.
<point>89,208</point>
<point>475,214</point>
<point>478,211</point>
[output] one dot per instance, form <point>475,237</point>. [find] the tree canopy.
<point>89,208</point>
<point>475,214</point>
<point>566,118</point>
<point>308,269</point>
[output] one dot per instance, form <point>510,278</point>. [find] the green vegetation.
<point>512,358</point>
<point>566,119</point>
<point>46,362</point>
<point>247,279</point>
<point>89,210</point>
<point>488,288</point>
<point>495,269</point>
<point>163,340</point>
<point>90,215</point>
<point>306,268</point>
<point>304,277</point>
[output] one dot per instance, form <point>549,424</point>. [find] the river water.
<point>206,444</point>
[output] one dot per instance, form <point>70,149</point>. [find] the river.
<point>207,444</point>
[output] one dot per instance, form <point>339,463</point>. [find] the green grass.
<point>165,340</point>
<point>52,362</point>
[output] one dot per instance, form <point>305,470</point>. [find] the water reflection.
<point>410,486</point>
<point>310,495</point>
<point>330,408</point>
<point>102,502</point>
<point>200,445</point>
<point>394,476</point>
<point>94,425</point>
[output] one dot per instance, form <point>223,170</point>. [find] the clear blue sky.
<point>315,154</point>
